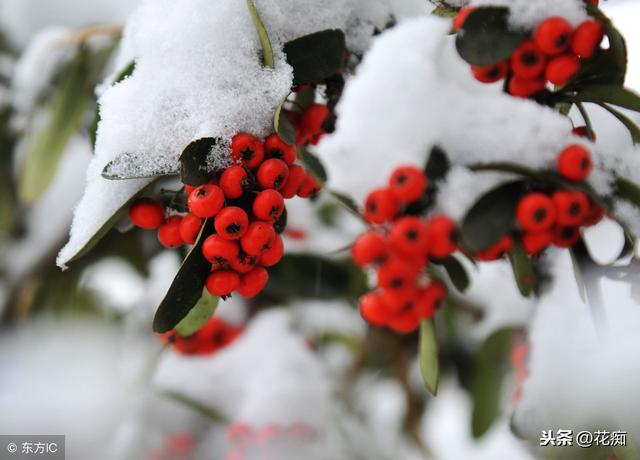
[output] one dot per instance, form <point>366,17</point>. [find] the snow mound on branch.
<point>527,14</point>
<point>199,73</point>
<point>413,92</point>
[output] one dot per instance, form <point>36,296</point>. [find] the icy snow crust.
<point>199,73</point>
<point>413,92</point>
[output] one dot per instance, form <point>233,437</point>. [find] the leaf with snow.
<point>194,161</point>
<point>135,166</point>
<point>317,56</point>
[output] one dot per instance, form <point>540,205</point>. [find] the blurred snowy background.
<point>305,381</point>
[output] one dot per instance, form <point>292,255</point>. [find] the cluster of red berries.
<point>212,337</point>
<point>553,53</point>
<point>246,201</point>
<point>247,442</point>
<point>399,247</point>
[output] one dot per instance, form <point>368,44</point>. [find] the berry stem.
<point>587,121</point>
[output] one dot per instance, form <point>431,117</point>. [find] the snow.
<point>199,74</point>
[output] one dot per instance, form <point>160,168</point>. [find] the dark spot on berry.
<point>401,179</point>
<point>540,215</point>
<point>247,154</point>
<point>574,209</point>
<point>494,72</point>
<point>562,40</point>
<point>372,208</point>
<point>276,153</point>
<point>407,307</point>
<point>567,233</point>
<point>200,192</point>
<point>585,164</point>
<point>530,59</point>
<point>279,180</point>
<point>411,235</point>
<point>397,283</point>
<point>233,229</point>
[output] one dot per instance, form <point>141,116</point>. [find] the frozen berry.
<point>252,283</point>
<point>219,251</point>
<point>231,223</point>
<point>587,38</point>
<point>574,163</point>
<point>190,228</point>
<point>272,174</point>
<point>234,181</point>
<point>536,212</point>
<point>223,282</point>
<point>370,247</point>
<point>292,185</point>
<point>430,299</point>
<point>534,243</point>
<point>408,183</point>
<point>247,149</point>
<point>528,61</point>
<point>244,263</point>
<point>258,238</point>
<point>561,69</point>
<point>310,187</point>
<point>275,147</point>
<point>525,87</point>
<point>409,237</point>
<point>571,207</point>
<point>441,232</point>
<point>169,233</point>
<point>374,310</point>
<point>147,214</point>
<point>490,73</point>
<point>380,206</point>
<point>461,17</point>
<point>273,254</point>
<point>553,35</point>
<point>565,237</point>
<point>206,201</point>
<point>496,251</point>
<point>268,205</point>
<point>397,274</point>
<point>313,119</point>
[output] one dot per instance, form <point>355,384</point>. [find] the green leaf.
<point>317,56</point>
<point>457,274</point>
<point>445,11</point>
<point>263,35</point>
<point>438,165</point>
<point>199,315</point>
<point>195,406</point>
<point>429,362</point>
<point>485,37</point>
<point>577,273</point>
<point>66,110</point>
<point>628,190</point>
<point>492,217</point>
<point>313,164</point>
<point>187,287</point>
<point>283,126</point>
<point>347,202</point>
<point>633,129</point>
<point>523,270</point>
<point>193,161</point>
<point>134,166</point>
<point>609,94</point>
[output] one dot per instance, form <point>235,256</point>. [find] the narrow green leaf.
<point>134,166</point>
<point>317,56</point>
<point>523,271</point>
<point>429,361</point>
<point>196,406</point>
<point>263,35</point>
<point>457,274</point>
<point>347,202</point>
<point>628,190</point>
<point>445,11</point>
<point>438,164</point>
<point>187,287</point>
<point>577,273</point>
<point>485,37</point>
<point>193,161</point>
<point>609,94</point>
<point>199,315</point>
<point>633,129</point>
<point>283,126</point>
<point>313,164</point>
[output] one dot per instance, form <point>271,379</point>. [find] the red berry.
<point>247,149</point>
<point>583,131</point>
<point>219,251</point>
<point>268,205</point>
<point>528,61</point>
<point>430,299</point>
<point>234,181</point>
<point>273,174</point>
<point>223,282</point>
<point>370,247</point>
<point>441,232</point>
<point>398,301</point>
<point>190,228</point>
<point>561,69</point>
<point>381,206</point>
<point>244,263</point>
<point>313,118</point>
<point>490,73</point>
<point>169,233</point>
<point>408,183</point>
<point>553,35</point>
<point>231,223</point>
<point>593,2</point>
<point>461,17</point>
<point>146,213</point>
<point>565,237</point>
<point>409,237</point>
<point>571,207</point>
<point>574,163</point>
<point>273,254</point>
<point>374,310</point>
<point>496,251</point>
<point>189,188</point>
<point>292,185</point>
<point>524,87</point>
<point>534,243</point>
<point>594,216</point>
<point>397,274</point>
<point>405,322</point>
<point>587,38</point>
<point>310,187</point>
<point>258,238</point>
<point>252,283</point>
<point>206,201</point>
<point>275,147</point>
<point>536,212</point>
